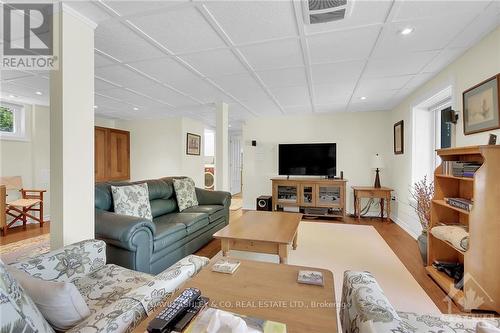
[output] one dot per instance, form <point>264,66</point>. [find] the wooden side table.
<point>382,193</point>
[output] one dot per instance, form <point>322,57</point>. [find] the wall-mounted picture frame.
<point>399,138</point>
<point>481,106</point>
<point>193,144</point>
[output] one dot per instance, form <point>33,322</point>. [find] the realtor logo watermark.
<point>28,36</point>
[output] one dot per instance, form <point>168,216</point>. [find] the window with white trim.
<point>12,121</point>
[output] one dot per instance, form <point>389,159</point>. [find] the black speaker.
<point>265,202</point>
<point>449,115</point>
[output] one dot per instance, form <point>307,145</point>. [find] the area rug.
<point>20,250</point>
<point>341,247</point>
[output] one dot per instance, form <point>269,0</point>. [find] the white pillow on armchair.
<point>60,303</point>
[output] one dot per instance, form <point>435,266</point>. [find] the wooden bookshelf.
<point>481,265</point>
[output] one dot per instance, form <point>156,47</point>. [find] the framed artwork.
<point>399,137</point>
<point>481,106</point>
<point>193,144</point>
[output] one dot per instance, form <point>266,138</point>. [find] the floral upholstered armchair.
<point>365,309</point>
<point>118,298</point>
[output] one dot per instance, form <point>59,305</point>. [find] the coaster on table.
<point>310,277</point>
<point>227,266</point>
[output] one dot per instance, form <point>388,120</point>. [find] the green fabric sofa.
<point>152,246</point>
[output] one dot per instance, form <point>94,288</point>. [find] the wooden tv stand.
<point>327,195</point>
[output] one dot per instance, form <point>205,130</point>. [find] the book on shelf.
<point>310,277</point>
<point>460,169</point>
<point>221,321</point>
<point>461,203</point>
<point>226,266</point>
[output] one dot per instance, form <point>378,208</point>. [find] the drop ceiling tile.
<point>331,94</point>
<point>123,76</point>
<point>368,107</point>
<point>418,80</point>
<point>181,30</point>
<point>278,54</point>
<point>119,41</point>
<point>125,8</point>
<point>251,21</point>
<point>165,94</point>
<point>342,45</point>
<point>263,106</point>
<point>242,86</point>
<point>202,91</point>
<point>295,76</point>
<point>166,70</point>
<point>13,74</point>
<point>428,35</point>
<point>346,73</point>
<point>102,61</point>
<point>488,20</point>
<point>443,59</point>
<point>330,108</point>
<point>297,110</point>
<point>89,10</point>
<point>398,65</point>
<point>368,86</point>
<point>292,96</point>
<point>380,97</point>
<point>101,85</point>
<point>133,98</point>
<point>23,93</point>
<point>215,62</point>
<point>34,83</point>
<point>409,10</point>
<point>363,13</point>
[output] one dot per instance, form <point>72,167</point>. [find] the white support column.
<point>72,130</point>
<point>222,147</point>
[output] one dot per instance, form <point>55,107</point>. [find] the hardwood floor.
<point>16,234</point>
<point>400,242</point>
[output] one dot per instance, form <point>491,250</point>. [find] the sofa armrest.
<point>119,229</point>
<point>206,197</point>
<point>365,308</point>
<point>67,263</point>
<point>155,293</point>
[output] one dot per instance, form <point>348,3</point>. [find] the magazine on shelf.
<point>227,266</point>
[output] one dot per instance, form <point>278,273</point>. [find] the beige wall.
<point>477,64</point>
<point>359,136</point>
<point>30,159</point>
<point>158,147</point>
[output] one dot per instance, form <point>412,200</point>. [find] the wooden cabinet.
<point>309,193</point>
<point>112,154</point>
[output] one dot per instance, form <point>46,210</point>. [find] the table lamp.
<point>377,164</point>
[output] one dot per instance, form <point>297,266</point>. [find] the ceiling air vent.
<point>322,11</point>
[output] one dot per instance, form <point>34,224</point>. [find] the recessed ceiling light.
<point>136,109</point>
<point>95,106</point>
<point>230,125</point>
<point>39,93</point>
<point>12,96</point>
<point>406,31</point>
<point>362,98</point>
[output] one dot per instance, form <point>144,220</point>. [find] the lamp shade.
<point>377,162</point>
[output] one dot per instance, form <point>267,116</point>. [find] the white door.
<point>235,164</point>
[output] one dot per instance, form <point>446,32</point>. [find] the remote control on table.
<point>199,304</point>
<point>160,324</point>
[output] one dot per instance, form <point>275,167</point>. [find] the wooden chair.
<point>22,208</point>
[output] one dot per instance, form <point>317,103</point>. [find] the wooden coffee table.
<point>268,291</point>
<point>263,232</point>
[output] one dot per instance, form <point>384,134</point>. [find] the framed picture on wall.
<point>193,144</point>
<point>481,106</point>
<point>399,133</point>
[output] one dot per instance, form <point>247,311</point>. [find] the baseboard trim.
<point>405,226</point>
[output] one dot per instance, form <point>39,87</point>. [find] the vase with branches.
<point>422,193</point>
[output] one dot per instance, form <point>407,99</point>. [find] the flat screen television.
<point>307,159</point>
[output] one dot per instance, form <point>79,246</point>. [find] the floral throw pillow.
<point>132,200</point>
<point>185,193</point>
